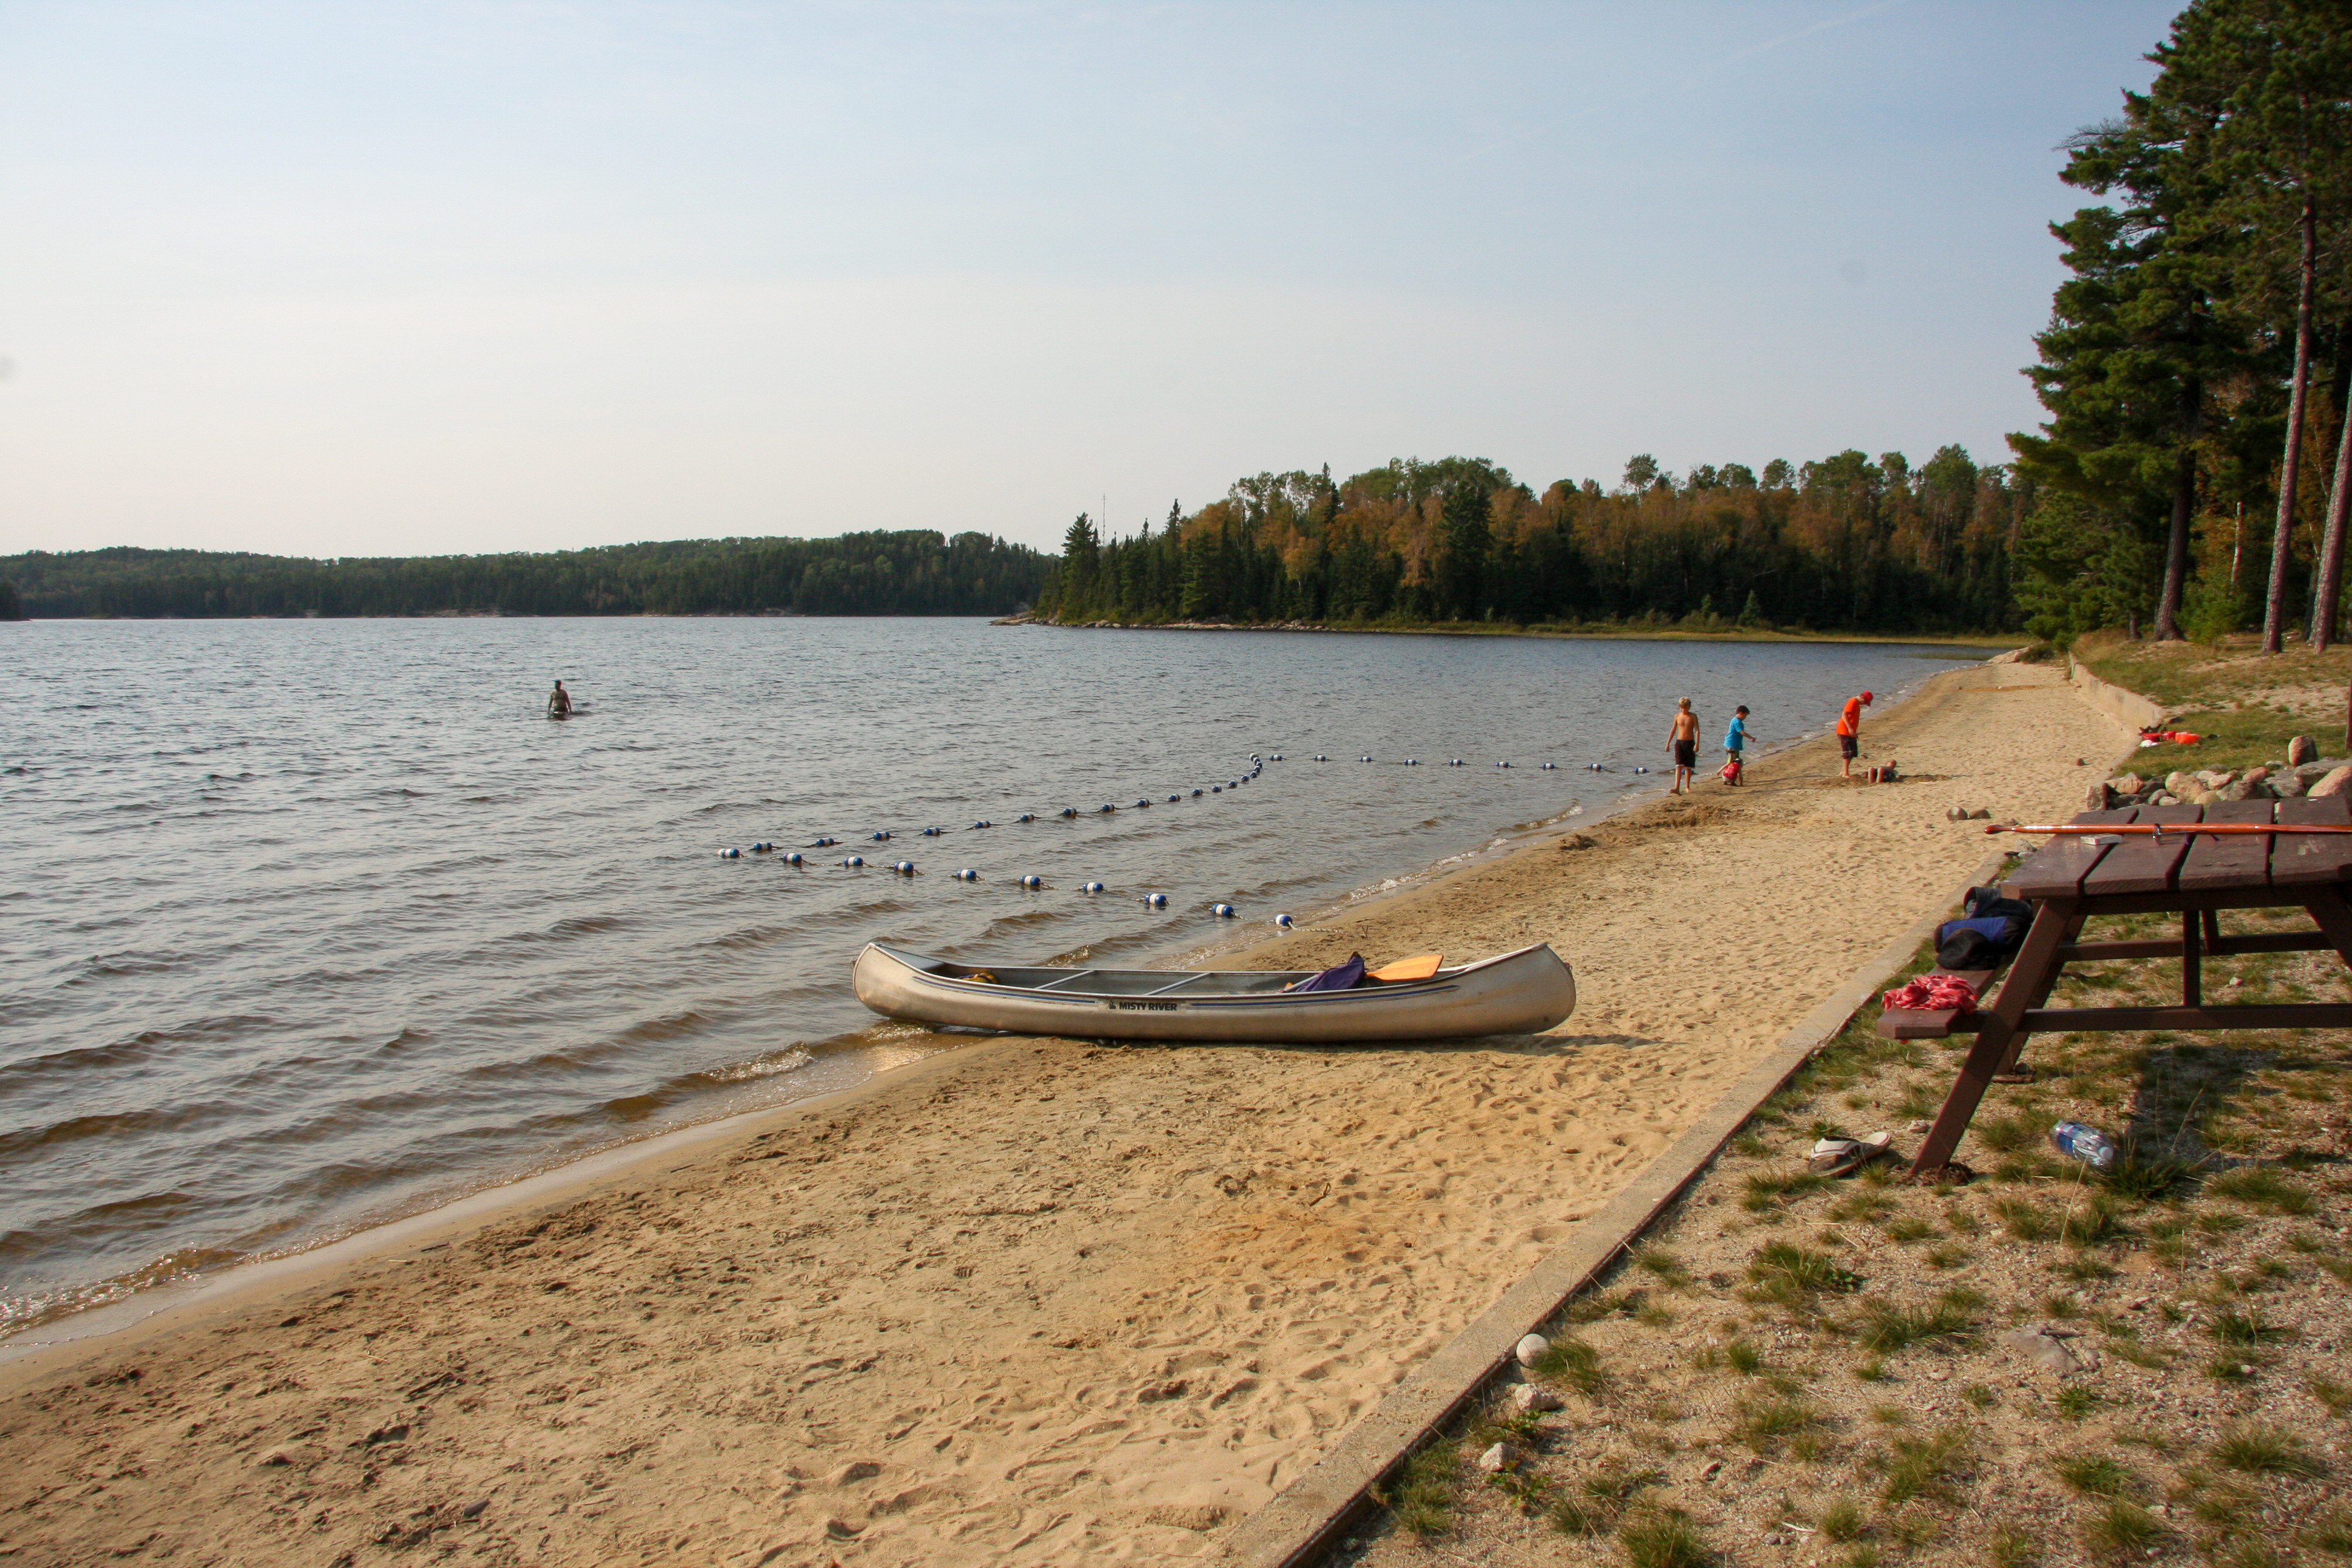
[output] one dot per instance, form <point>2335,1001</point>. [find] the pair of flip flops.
<point>1836,1156</point>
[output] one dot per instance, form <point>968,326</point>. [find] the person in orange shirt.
<point>1849,733</point>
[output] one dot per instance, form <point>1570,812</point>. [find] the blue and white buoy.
<point>904,867</point>
<point>1222,911</point>
<point>1032,881</point>
<point>823,843</point>
<point>933,832</point>
<point>1146,801</point>
<point>731,854</point>
<point>1175,798</point>
<point>792,857</point>
<point>1551,764</point>
<point>1102,810</point>
<point>1363,759</point>
<point>855,860</point>
<point>984,822</point>
<point>1026,816</point>
<point>1285,922</point>
<point>1155,901</point>
<point>761,847</point>
<point>1091,888</point>
<point>1321,758</point>
<point>1276,757</point>
<point>879,837</point>
<point>1502,764</point>
<point>966,874</point>
<point>1196,794</point>
<point>1213,789</point>
<point>1068,811</point>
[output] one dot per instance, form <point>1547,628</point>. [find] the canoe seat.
<point>1421,968</point>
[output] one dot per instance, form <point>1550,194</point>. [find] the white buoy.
<point>1276,757</point>
<point>1069,810</point>
<point>1026,816</point>
<point>984,822</point>
<point>966,874</point>
<point>855,860</point>
<point>824,843</point>
<point>1091,888</point>
<point>1143,803</point>
<point>1213,789</point>
<point>904,867</point>
<point>1285,922</point>
<point>1321,758</point>
<point>1221,910</point>
<point>1502,764</point>
<point>731,854</point>
<point>1196,793</point>
<point>792,857</point>
<point>879,837</point>
<point>1032,881</point>
<point>1174,798</point>
<point>1551,764</point>
<point>1363,759</point>
<point>1156,901</point>
<point>933,832</point>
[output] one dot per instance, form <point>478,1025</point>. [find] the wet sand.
<point>1030,1301</point>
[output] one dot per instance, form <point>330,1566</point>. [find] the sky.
<point>454,276</point>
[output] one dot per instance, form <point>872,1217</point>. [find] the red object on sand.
<point>1932,991</point>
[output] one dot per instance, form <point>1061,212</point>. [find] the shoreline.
<point>43,1328</point>
<point>1046,1300</point>
<point>2005,640</point>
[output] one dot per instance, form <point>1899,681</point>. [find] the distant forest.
<point>1848,543</point>
<point>916,572</point>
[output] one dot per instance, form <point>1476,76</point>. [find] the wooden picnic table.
<point>2196,876</point>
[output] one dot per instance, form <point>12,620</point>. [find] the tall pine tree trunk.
<point>2331,545</point>
<point>2331,542</point>
<point>2176,549</point>
<point>2290,464</point>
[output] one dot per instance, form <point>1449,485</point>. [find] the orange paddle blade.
<point>1420,968</point>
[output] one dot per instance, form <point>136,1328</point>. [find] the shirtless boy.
<point>1682,742</point>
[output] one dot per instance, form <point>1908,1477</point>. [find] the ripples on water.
<point>315,922</point>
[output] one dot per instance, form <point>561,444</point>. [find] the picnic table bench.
<point>2072,879</point>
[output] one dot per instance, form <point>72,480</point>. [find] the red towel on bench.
<point>1930,992</point>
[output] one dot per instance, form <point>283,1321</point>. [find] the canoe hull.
<point>1519,992</point>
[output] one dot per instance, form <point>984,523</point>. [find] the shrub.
<point>2143,1181</point>
<point>1744,1358</point>
<point>2026,1220</point>
<point>1592,1504</point>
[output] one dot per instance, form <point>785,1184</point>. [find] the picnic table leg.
<point>2010,1071</point>
<point>2333,916</point>
<point>2029,978</point>
<point>2193,972</point>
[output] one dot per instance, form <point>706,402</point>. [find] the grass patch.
<point>1593,1503</point>
<point>2123,1529</point>
<point>2335,1395</point>
<point>1570,1360</point>
<point>1663,1265</point>
<point>1761,1423</point>
<point>2265,1451</point>
<point>2010,1547</point>
<point>2024,1219</point>
<point>2248,1328</point>
<point>1884,1328</point>
<point>1743,1358</point>
<point>1790,1275</point>
<point>1662,1538</point>
<point>1840,1520</point>
<point>2330,1530</point>
<point>2145,1181</point>
<point>1922,1467</point>
<point>1767,1190</point>
<point>1425,1491</point>
<point>2076,1400</point>
<point>2259,1186</point>
<point>2096,1474</point>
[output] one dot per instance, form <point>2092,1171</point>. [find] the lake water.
<point>313,922</point>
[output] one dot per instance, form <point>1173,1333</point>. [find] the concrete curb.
<point>2119,703</point>
<point>1310,1514</point>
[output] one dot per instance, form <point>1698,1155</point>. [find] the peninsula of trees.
<point>916,572</point>
<point>1848,543</point>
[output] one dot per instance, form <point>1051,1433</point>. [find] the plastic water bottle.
<point>2088,1145</point>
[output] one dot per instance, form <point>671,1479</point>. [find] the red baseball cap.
<point>1865,697</point>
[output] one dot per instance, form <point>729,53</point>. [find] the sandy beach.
<point>1028,1300</point>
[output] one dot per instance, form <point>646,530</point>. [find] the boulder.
<point>2336,782</point>
<point>2286,786</point>
<point>1528,1397</point>
<point>2301,750</point>
<point>2216,778</point>
<point>2164,797</point>
<point>2204,798</point>
<point>2257,775</point>
<point>2176,784</point>
<point>2047,1352</point>
<point>2240,790</point>
<point>2126,784</point>
<point>2101,797</point>
<point>1501,1456</point>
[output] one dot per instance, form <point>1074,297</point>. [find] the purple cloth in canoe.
<point>1338,977</point>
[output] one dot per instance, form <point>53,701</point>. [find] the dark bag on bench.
<point>1983,903</point>
<point>1986,944</point>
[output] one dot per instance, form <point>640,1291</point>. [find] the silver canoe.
<point>1515,994</point>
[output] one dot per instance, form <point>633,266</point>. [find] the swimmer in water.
<point>559,702</point>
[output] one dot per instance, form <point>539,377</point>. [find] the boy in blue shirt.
<point>1735,741</point>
